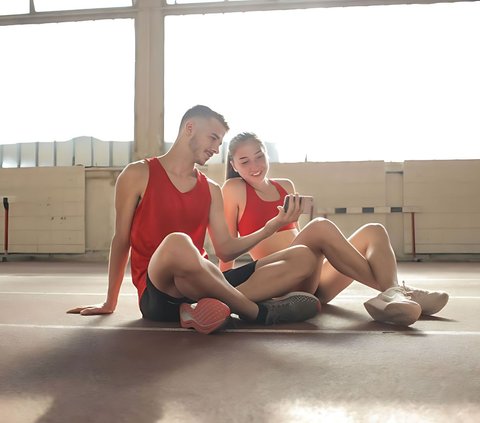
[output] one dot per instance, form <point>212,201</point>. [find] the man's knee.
<point>176,251</point>
<point>176,243</point>
<point>303,260</point>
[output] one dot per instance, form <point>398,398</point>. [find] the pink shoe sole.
<point>207,316</point>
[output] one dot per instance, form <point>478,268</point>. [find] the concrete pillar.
<point>149,79</point>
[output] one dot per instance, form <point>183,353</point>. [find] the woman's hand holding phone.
<point>304,203</point>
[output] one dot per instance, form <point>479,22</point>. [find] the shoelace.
<point>412,291</point>
<point>275,310</point>
<point>404,290</point>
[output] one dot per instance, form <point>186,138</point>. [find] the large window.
<point>350,83</point>
<point>62,81</point>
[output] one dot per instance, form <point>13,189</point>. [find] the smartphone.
<point>306,203</point>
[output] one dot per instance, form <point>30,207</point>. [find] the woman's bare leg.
<point>366,256</point>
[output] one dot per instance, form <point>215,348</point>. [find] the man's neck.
<point>177,163</point>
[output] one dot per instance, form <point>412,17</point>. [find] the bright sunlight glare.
<point>350,83</point>
<point>332,84</point>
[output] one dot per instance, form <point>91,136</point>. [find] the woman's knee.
<point>321,225</point>
<point>318,233</point>
<point>376,230</point>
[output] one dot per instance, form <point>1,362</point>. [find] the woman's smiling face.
<point>250,161</point>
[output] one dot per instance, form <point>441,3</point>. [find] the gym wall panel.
<point>47,213</point>
<point>447,196</point>
<point>337,184</point>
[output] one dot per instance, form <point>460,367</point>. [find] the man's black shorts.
<point>156,305</point>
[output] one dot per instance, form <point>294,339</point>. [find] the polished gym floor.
<point>338,367</point>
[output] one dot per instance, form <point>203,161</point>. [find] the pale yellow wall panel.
<point>27,223</point>
<point>68,237</point>
<point>447,194</point>
<point>448,248</point>
<point>61,249</point>
<point>337,184</point>
<point>65,208</point>
<point>100,212</point>
<point>74,208</point>
<point>25,249</point>
<point>67,194</point>
<point>448,220</point>
<point>24,237</point>
<point>46,223</point>
<point>49,196</point>
<point>46,208</point>
<point>49,208</point>
<point>442,170</point>
<point>443,198</point>
<point>352,195</point>
<point>448,236</point>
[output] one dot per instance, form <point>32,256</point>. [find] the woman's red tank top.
<point>163,210</point>
<point>258,212</point>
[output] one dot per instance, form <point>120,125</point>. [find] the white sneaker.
<point>430,301</point>
<point>394,306</point>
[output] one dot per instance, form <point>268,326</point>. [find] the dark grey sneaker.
<point>293,307</point>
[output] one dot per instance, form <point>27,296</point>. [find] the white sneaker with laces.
<point>395,306</point>
<point>430,301</point>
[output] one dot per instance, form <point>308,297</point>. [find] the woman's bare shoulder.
<point>286,184</point>
<point>234,184</point>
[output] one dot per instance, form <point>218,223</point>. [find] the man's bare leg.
<point>280,273</point>
<point>177,269</point>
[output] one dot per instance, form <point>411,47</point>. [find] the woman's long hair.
<point>242,137</point>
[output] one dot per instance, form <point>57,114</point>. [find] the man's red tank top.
<point>258,212</point>
<point>163,210</point>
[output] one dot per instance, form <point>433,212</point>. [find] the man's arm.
<point>128,190</point>
<point>233,192</point>
<point>228,248</point>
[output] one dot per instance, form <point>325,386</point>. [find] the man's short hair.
<point>203,112</point>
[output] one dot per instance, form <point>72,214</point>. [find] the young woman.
<point>251,199</point>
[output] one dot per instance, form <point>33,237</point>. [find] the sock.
<point>262,314</point>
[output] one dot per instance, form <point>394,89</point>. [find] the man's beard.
<point>197,154</point>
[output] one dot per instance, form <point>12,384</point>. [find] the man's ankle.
<point>262,314</point>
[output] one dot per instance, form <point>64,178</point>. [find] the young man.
<point>163,208</point>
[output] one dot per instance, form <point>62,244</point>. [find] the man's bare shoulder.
<point>212,183</point>
<point>215,189</point>
<point>134,174</point>
<point>136,168</point>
